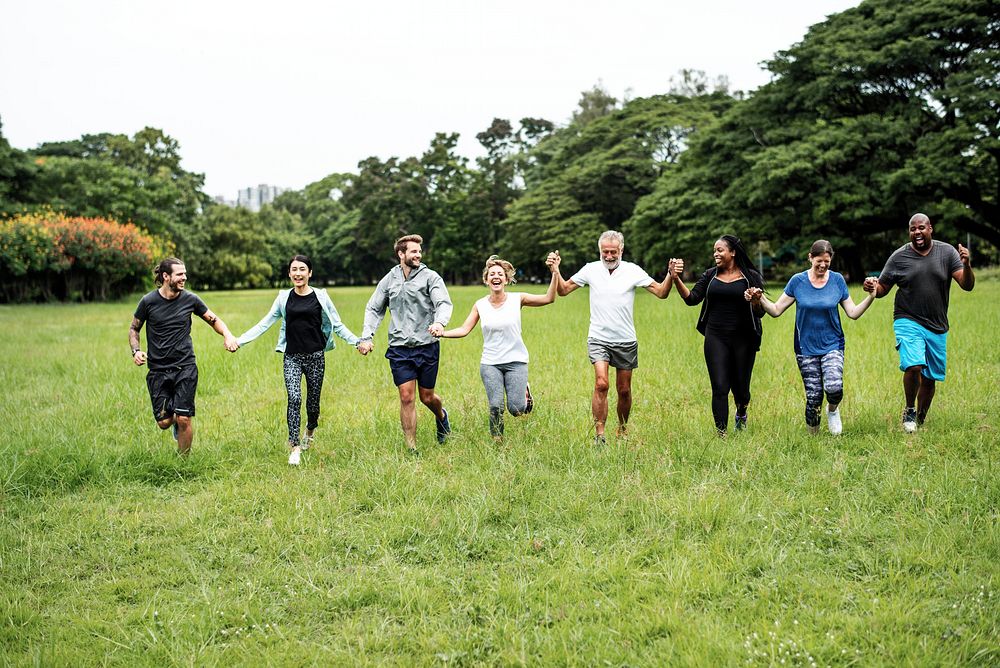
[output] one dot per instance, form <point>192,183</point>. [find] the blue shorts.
<point>419,363</point>
<point>919,346</point>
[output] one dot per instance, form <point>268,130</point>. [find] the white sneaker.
<point>294,457</point>
<point>909,420</point>
<point>833,422</point>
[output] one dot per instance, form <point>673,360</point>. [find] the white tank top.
<point>502,341</point>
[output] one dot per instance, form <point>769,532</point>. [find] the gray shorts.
<point>623,356</point>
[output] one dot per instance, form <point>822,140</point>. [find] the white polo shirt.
<point>612,295</point>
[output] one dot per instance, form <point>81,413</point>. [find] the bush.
<point>45,256</point>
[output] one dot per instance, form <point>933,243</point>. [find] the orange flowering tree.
<point>53,256</point>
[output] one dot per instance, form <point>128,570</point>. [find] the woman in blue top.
<point>308,322</point>
<point>819,338</point>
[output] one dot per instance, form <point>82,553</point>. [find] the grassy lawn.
<point>669,548</point>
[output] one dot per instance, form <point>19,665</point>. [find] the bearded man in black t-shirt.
<point>173,375</point>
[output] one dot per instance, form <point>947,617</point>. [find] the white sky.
<point>287,92</point>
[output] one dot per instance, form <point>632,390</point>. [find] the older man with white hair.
<point>611,339</point>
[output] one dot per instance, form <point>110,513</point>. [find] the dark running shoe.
<point>443,427</point>
<point>600,441</point>
<point>173,431</point>
<point>529,402</point>
<point>741,422</point>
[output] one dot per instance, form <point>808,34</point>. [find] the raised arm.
<point>563,287</point>
<point>855,311</point>
<point>661,290</point>
<point>550,295</point>
<point>459,332</point>
<point>220,327</point>
<point>964,276</point>
<point>138,356</point>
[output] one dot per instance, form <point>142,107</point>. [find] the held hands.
<point>552,261</point>
<point>675,267</point>
<point>231,344</point>
<point>436,330</point>
<point>871,283</point>
<point>753,295</point>
<point>365,347</point>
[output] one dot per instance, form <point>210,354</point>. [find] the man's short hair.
<point>612,234</point>
<point>402,241</point>
<point>166,266</point>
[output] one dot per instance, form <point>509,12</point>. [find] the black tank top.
<point>728,312</point>
<point>303,324</point>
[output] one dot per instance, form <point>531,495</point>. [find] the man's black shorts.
<point>418,363</point>
<point>172,391</point>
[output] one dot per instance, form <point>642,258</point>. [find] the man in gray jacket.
<point>420,308</point>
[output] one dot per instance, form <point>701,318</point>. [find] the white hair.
<point>612,234</point>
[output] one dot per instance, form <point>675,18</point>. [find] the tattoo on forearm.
<point>211,319</point>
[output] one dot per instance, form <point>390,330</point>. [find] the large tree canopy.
<point>885,109</point>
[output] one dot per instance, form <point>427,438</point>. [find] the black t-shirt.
<point>168,327</point>
<point>303,324</point>
<point>728,311</point>
<point>924,283</point>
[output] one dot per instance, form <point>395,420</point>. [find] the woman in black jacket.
<point>730,324</point>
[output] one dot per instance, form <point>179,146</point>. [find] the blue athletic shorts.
<point>418,363</point>
<point>919,346</point>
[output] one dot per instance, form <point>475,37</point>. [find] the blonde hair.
<point>496,261</point>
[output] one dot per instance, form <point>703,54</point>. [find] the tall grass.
<point>670,547</point>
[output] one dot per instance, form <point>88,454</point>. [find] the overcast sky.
<point>287,92</point>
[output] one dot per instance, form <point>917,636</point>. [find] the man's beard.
<point>611,265</point>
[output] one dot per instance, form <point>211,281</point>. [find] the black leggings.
<point>729,359</point>
<point>312,366</point>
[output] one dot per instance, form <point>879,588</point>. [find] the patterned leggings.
<point>313,366</point>
<point>821,373</point>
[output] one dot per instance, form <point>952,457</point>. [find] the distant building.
<point>219,199</point>
<point>253,198</point>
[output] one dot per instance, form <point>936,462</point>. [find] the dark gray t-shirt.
<point>924,282</point>
<point>168,327</point>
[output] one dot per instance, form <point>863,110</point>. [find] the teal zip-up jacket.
<point>331,322</point>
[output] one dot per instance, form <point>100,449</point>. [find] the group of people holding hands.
<point>731,295</point>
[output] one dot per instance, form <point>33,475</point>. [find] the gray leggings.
<point>821,373</point>
<point>511,379</point>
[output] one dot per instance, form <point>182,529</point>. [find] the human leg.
<point>599,399</point>
<point>408,412</point>
<point>811,370</point>
<point>515,382</point>
<point>314,369</point>
<point>743,356</point>
<point>717,362</point>
<point>833,385</point>
<point>493,382</point>
<point>292,367</point>
<point>623,386</point>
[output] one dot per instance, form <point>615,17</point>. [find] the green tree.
<point>226,248</point>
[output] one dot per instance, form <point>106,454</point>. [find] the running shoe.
<point>529,402</point>
<point>443,427</point>
<point>600,441</point>
<point>833,422</point>
<point>909,420</point>
<point>173,431</point>
<point>294,457</point>
<point>307,442</point>
<point>741,422</point>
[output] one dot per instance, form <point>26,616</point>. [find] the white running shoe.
<point>294,457</point>
<point>833,422</point>
<point>909,420</point>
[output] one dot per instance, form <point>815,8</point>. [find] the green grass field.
<point>772,547</point>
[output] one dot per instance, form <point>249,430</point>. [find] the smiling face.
<point>496,278</point>
<point>611,254</point>
<point>411,256</point>
<point>177,278</point>
<point>300,273</point>
<point>820,263</point>
<point>723,254</point>
<point>921,232</point>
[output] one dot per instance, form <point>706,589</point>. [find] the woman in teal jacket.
<point>308,322</point>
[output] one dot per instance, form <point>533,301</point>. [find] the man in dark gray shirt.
<point>923,270</point>
<point>419,308</point>
<point>172,379</point>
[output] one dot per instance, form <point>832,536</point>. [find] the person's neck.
<point>923,253</point>
<point>816,278</point>
<point>302,290</point>
<point>498,297</point>
<point>407,269</point>
<point>168,292</point>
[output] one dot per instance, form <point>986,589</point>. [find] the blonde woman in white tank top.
<point>504,363</point>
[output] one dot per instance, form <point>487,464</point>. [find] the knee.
<point>601,385</point>
<point>183,422</point>
<point>624,394</point>
<point>834,395</point>
<point>426,397</point>
<point>165,424</point>
<point>407,398</point>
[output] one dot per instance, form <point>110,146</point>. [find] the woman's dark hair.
<point>821,246</point>
<point>304,259</point>
<point>166,266</point>
<point>743,261</point>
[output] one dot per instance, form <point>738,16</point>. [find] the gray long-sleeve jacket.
<point>415,303</point>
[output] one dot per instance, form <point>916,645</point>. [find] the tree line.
<point>880,111</point>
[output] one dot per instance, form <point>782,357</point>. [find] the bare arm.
<point>466,327</point>
<point>220,327</point>
<point>855,311</point>
<point>757,297</point>
<point>138,356</point>
<point>964,276</point>
<point>550,294</point>
<point>676,271</point>
<point>661,290</point>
